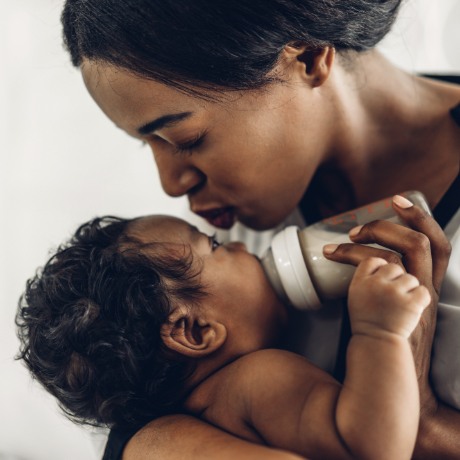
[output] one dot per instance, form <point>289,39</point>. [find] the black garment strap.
<point>449,204</point>
<point>455,114</point>
<point>117,441</point>
<point>447,78</point>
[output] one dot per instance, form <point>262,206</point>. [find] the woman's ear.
<point>191,334</point>
<point>314,64</point>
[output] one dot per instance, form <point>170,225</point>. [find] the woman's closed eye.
<point>188,147</point>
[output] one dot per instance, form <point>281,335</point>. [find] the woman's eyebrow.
<point>162,122</point>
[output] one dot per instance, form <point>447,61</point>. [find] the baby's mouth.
<point>219,217</point>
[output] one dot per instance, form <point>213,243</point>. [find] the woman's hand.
<point>425,252</point>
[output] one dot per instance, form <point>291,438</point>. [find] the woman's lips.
<point>219,217</point>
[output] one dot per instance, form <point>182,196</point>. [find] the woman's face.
<point>247,156</point>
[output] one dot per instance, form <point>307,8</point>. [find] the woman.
<point>256,109</point>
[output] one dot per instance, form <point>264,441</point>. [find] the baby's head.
<point>130,314</point>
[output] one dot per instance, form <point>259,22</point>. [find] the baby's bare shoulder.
<point>274,367</point>
<point>260,386</point>
<point>245,372</point>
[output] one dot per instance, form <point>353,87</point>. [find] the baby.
<point>134,319</point>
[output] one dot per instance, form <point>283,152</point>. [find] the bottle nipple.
<point>290,277</point>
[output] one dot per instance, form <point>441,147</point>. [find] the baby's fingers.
<point>407,283</point>
<point>415,301</point>
<point>369,266</point>
<point>420,297</point>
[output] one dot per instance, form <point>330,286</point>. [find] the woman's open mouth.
<point>219,217</point>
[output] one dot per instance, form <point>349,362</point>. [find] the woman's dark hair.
<point>231,44</point>
<point>89,325</point>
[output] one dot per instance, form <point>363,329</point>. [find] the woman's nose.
<point>177,175</point>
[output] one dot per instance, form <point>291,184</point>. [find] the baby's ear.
<point>314,64</point>
<point>191,334</point>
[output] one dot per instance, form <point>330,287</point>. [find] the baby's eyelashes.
<point>213,242</point>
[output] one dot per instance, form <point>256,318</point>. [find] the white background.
<point>62,162</point>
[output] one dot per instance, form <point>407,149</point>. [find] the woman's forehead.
<point>131,102</point>
<point>127,83</point>
<point>105,79</point>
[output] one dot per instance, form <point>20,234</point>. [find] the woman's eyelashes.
<point>178,148</point>
<point>188,148</point>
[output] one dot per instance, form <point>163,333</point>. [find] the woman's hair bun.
<point>230,44</point>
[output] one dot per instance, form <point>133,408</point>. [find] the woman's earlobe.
<point>192,335</point>
<point>317,63</point>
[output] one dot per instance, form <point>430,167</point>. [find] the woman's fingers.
<point>414,247</point>
<point>354,254</point>
<point>420,221</point>
<point>423,246</point>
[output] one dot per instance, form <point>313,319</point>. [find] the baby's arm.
<point>292,405</point>
<point>380,390</point>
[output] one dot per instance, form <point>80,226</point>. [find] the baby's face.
<point>238,292</point>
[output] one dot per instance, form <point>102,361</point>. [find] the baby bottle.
<point>296,266</point>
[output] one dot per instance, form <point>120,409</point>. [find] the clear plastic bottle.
<point>296,266</point>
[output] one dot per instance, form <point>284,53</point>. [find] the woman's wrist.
<point>438,434</point>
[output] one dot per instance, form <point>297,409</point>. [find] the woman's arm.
<point>439,434</point>
<point>179,437</point>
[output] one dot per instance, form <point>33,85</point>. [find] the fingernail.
<point>402,202</point>
<point>354,231</point>
<point>330,248</point>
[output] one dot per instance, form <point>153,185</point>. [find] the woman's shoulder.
<point>175,437</point>
<point>155,439</point>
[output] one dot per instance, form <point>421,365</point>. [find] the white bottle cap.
<point>289,261</point>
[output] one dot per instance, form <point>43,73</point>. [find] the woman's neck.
<point>395,134</point>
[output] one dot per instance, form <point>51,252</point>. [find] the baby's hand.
<point>383,297</point>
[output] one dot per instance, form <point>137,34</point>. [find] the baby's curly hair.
<point>89,325</point>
